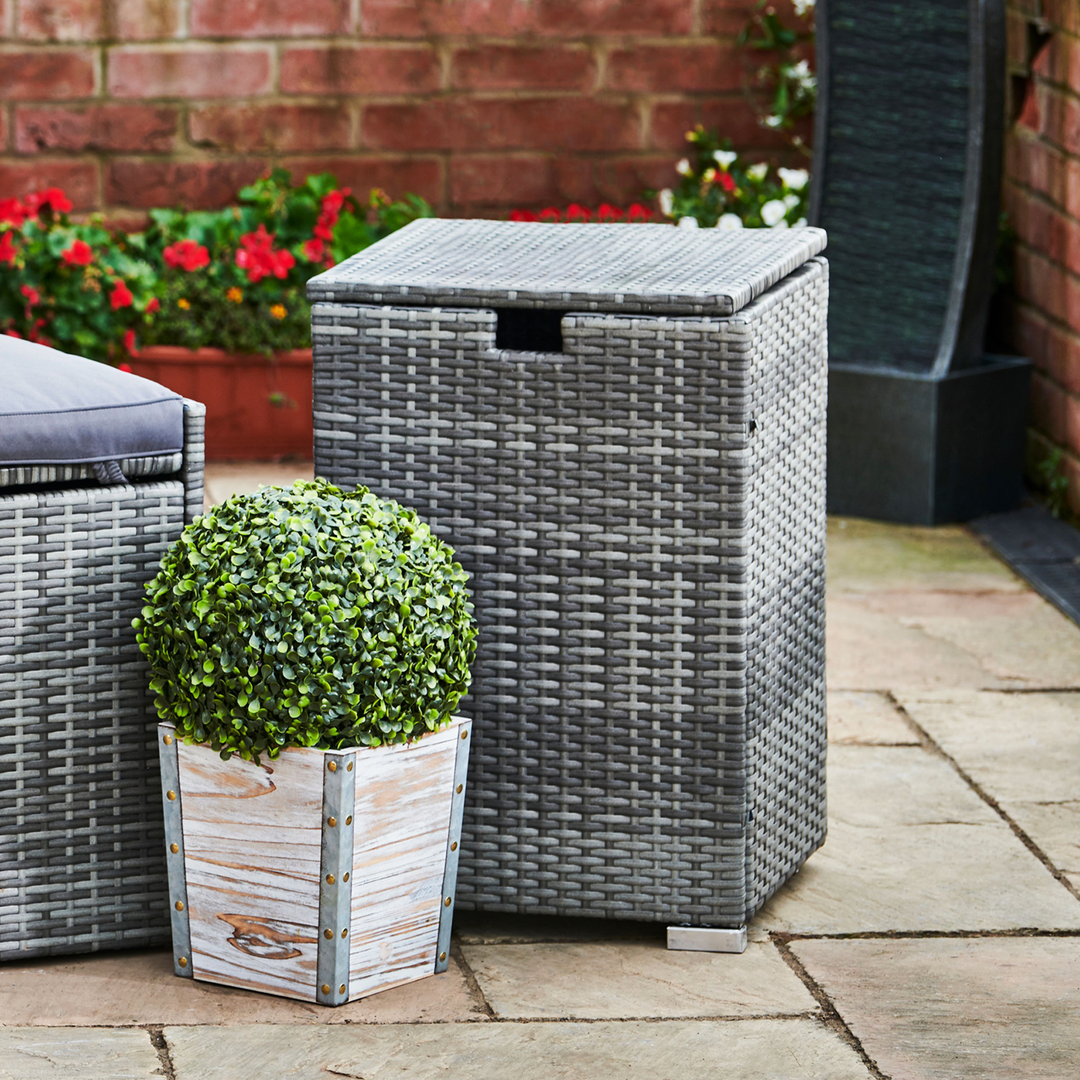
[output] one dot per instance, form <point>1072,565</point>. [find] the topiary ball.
<point>307,616</point>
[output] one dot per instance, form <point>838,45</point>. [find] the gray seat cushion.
<point>57,409</point>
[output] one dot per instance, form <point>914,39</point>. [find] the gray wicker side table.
<point>82,857</point>
<point>621,430</point>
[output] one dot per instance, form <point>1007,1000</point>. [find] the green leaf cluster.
<point>307,616</point>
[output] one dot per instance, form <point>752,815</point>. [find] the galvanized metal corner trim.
<point>706,939</point>
<point>453,845</point>
<point>183,961</point>
<point>335,877</point>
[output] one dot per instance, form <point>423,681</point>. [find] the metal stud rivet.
<point>174,848</point>
<point>345,878</point>
<point>332,766</point>
<point>447,901</point>
<point>168,740</point>
<point>170,795</point>
<point>179,905</point>
<point>341,989</point>
<point>326,988</point>
<point>344,933</point>
<point>442,956</point>
<point>348,820</point>
<point>460,788</point>
<point>330,879</point>
<point>348,768</point>
<point>464,734</point>
<point>331,821</point>
<point>453,846</point>
<point>328,934</point>
<point>182,961</point>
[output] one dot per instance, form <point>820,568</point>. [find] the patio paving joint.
<point>157,1039</point>
<point>829,1015</point>
<point>929,744</point>
<point>471,983</point>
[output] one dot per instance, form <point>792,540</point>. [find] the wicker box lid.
<point>624,268</point>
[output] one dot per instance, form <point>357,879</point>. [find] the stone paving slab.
<point>675,1050</point>
<point>125,988</point>
<point>912,848</point>
<point>948,1009</point>
<point>1023,750</point>
<point>610,982</point>
<point>79,1053</point>
<point>867,718</point>
<point>243,477</point>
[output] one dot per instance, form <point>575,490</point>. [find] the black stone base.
<point>906,447</point>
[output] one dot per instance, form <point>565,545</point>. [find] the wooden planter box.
<point>325,875</point>
<point>257,408</point>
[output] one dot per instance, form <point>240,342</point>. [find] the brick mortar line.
<point>1073,275</point>
<point>1042,198</point>
<point>1047,316</point>
<point>830,1015</point>
<point>990,801</point>
<point>157,1040</point>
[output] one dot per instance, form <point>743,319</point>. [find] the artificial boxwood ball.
<point>307,616</point>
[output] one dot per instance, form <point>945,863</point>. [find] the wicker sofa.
<point>82,859</point>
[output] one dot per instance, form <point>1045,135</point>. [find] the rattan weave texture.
<point>643,517</point>
<point>621,268</point>
<point>132,468</point>
<point>82,860</point>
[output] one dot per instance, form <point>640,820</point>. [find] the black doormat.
<point>1041,549</point>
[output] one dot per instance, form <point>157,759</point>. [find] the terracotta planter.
<point>273,885</point>
<point>257,408</point>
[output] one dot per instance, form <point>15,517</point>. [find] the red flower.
<point>121,296</point>
<point>31,294</point>
<point>125,367</point>
<point>79,254</point>
<point>13,333</point>
<point>606,212</point>
<point>12,211</point>
<point>549,214</point>
<point>50,199</point>
<point>726,181</point>
<point>7,249</point>
<point>186,254</point>
<point>129,346</point>
<point>524,215</point>
<point>313,250</point>
<point>575,212</point>
<point>154,304</point>
<point>258,257</point>
<point>637,212</point>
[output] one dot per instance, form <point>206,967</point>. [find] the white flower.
<point>773,121</point>
<point>683,168</point>
<point>729,221</point>
<point>724,158</point>
<point>758,171</point>
<point>801,70</point>
<point>773,212</point>
<point>791,201</point>
<point>800,224</point>
<point>793,179</point>
<point>781,224</point>
<point>688,223</point>
<point>666,201</point>
<point>803,6</point>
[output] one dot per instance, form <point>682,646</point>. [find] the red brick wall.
<point>478,105</point>
<point>1042,194</point>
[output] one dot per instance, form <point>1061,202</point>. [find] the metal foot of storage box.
<point>621,431</point>
<point>82,845</point>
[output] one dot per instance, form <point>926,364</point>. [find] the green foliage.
<point>719,188</point>
<point>1054,481</point>
<point>785,89</point>
<point>79,307</point>
<point>307,616</point>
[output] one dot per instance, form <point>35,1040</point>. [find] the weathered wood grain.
<point>403,797</point>
<point>252,837</point>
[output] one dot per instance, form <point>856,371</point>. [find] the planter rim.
<point>453,722</point>
<point>211,354</point>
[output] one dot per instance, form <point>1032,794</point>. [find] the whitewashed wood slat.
<point>252,839</point>
<point>403,799</point>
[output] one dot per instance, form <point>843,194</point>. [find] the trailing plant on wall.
<point>307,616</point>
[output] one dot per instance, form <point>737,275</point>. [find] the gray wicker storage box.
<point>641,503</point>
<point>82,842</point>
